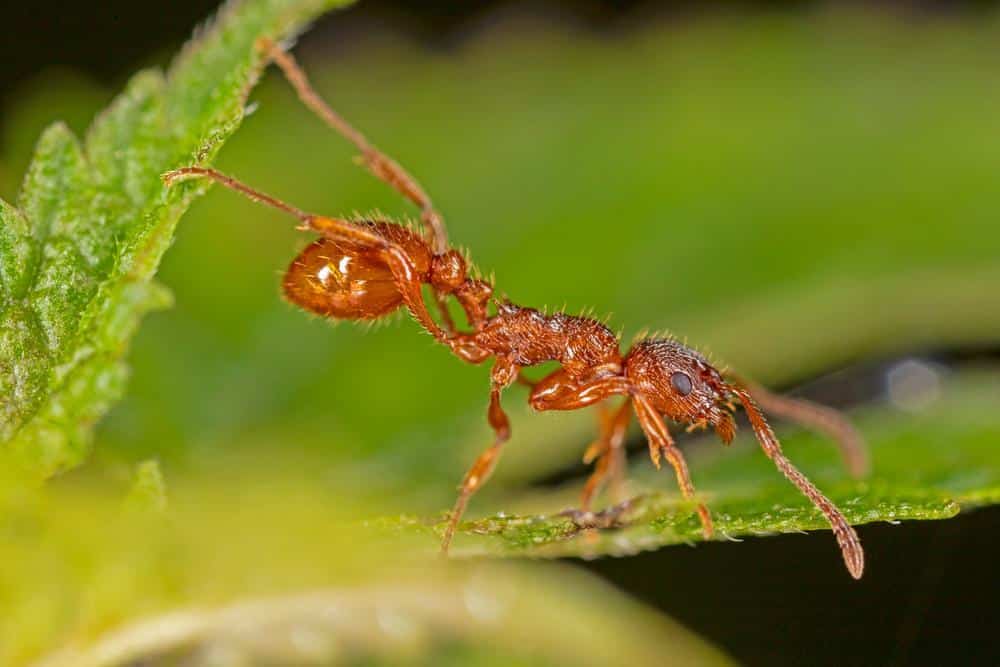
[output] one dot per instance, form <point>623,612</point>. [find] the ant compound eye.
<point>681,383</point>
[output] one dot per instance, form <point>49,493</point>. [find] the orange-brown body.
<point>350,280</point>
<point>365,270</point>
<point>529,337</point>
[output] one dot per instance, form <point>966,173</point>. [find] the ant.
<point>365,269</point>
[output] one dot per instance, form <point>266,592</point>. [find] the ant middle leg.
<point>503,375</point>
<point>609,452</point>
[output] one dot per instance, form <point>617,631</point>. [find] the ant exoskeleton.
<point>367,269</point>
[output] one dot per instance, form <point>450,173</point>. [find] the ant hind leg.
<point>378,163</point>
<point>609,452</point>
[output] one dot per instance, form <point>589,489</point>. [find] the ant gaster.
<point>366,269</point>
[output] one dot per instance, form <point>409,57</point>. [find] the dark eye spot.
<point>681,383</point>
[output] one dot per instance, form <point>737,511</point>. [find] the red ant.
<point>367,269</point>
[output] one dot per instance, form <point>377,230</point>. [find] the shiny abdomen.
<point>351,281</point>
<point>332,280</point>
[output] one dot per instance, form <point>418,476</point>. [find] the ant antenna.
<point>850,545</point>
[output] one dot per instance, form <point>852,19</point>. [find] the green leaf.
<point>78,253</point>
<point>929,465</point>
<point>484,615</point>
<point>287,578</point>
<point>149,491</point>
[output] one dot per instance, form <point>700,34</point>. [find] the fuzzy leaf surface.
<point>92,220</point>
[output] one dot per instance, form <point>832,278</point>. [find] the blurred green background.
<point>792,192</point>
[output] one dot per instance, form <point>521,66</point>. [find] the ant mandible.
<point>367,269</point>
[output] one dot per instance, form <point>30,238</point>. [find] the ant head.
<point>681,385</point>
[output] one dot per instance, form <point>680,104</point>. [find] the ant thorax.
<point>528,337</point>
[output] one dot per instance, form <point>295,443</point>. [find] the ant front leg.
<point>561,391</point>
<point>503,375</point>
<point>660,442</point>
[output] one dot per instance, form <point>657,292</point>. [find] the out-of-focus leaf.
<point>78,253</point>
<point>149,491</point>
<point>264,568</point>
<point>483,615</point>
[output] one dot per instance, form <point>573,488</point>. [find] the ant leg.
<point>378,163</point>
<point>661,442</point>
<point>504,373</point>
<point>329,227</point>
<point>847,538</point>
<point>617,469</point>
<point>560,391</point>
<point>407,279</point>
<point>608,447</point>
<point>618,462</point>
<point>184,173</point>
<point>818,417</point>
<point>598,447</point>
